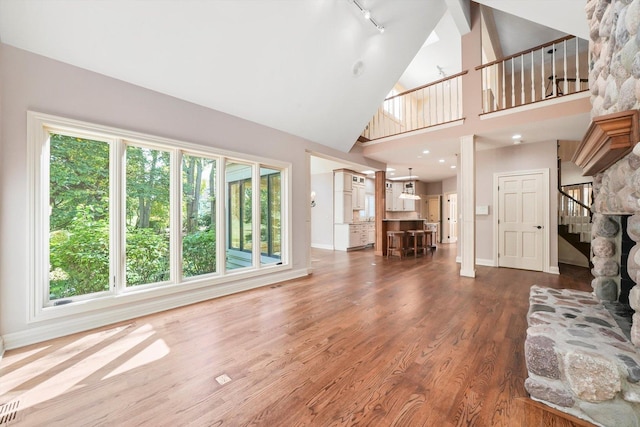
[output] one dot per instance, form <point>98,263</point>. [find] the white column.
<point>466,204</point>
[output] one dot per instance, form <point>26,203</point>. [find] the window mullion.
<point>175,203</point>
<point>222,219</point>
<point>255,216</point>
<point>117,215</point>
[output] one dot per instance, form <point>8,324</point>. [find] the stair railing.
<point>573,212</point>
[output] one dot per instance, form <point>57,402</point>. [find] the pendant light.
<point>408,191</point>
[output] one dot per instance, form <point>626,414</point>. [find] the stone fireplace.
<point>582,348</point>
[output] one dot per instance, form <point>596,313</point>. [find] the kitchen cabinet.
<point>388,195</point>
<point>371,233</point>
<point>342,181</point>
<point>393,200</point>
<point>358,195</point>
<point>358,192</point>
<point>350,236</point>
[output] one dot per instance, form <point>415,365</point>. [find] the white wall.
<point>450,185</point>
<point>32,82</point>
<point>521,157</point>
<point>322,213</point>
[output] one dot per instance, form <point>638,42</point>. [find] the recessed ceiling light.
<point>516,136</point>
<point>453,166</point>
<point>390,169</point>
<point>367,172</point>
<point>441,160</point>
<point>425,152</point>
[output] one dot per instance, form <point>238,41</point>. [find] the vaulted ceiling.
<point>315,69</point>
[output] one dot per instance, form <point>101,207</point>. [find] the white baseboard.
<point>486,262</point>
<point>480,261</point>
<point>1,348</point>
<point>322,246</point>
<point>84,322</point>
<point>554,270</point>
<point>468,273</point>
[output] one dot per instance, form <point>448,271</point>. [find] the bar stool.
<point>417,239</point>
<point>395,243</point>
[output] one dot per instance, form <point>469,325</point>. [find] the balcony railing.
<point>547,71</point>
<point>429,105</point>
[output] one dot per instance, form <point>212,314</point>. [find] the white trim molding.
<point>546,264</point>
<point>45,331</point>
<point>1,348</point>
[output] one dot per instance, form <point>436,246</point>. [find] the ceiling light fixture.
<point>516,136</point>
<point>408,191</point>
<point>441,160</point>
<point>425,152</point>
<point>366,13</point>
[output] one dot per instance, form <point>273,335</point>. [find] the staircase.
<point>576,231</point>
<point>574,218</point>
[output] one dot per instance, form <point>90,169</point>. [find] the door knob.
<point>537,226</point>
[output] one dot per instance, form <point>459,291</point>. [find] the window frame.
<point>40,126</point>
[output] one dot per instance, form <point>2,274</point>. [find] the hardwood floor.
<point>365,340</point>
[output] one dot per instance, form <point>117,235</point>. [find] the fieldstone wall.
<point>616,192</point>
<point>614,46</point>
<point>579,360</point>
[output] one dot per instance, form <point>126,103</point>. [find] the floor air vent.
<point>8,412</point>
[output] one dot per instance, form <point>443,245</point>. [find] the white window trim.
<point>38,160</point>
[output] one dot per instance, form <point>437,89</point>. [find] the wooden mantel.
<point>608,139</point>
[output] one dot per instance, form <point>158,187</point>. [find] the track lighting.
<point>366,13</point>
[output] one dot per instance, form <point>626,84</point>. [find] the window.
<point>270,212</point>
<point>79,249</point>
<point>117,212</point>
<point>198,216</point>
<point>239,216</point>
<point>147,216</point>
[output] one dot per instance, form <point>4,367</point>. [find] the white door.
<point>520,221</point>
<point>452,199</point>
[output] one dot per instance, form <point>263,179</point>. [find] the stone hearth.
<point>579,359</point>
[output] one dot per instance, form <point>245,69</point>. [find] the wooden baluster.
<point>565,87</point>
<point>513,84</point>
<point>522,99</point>
<point>542,75</point>
<point>504,88</point>
<point>578,85</point>
<point>553,69</point>
<point>533,79</point>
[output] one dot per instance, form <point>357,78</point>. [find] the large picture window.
<point>118,212</point>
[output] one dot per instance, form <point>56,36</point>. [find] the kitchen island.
<point>404,225</point>
<point>398,225</point>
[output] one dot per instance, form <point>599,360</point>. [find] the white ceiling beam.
<point>460,11</point>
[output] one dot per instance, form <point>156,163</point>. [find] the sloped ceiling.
<point>557,14</point>
<point>290,65</point>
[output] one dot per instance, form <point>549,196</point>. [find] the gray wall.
<point>32,82</point>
